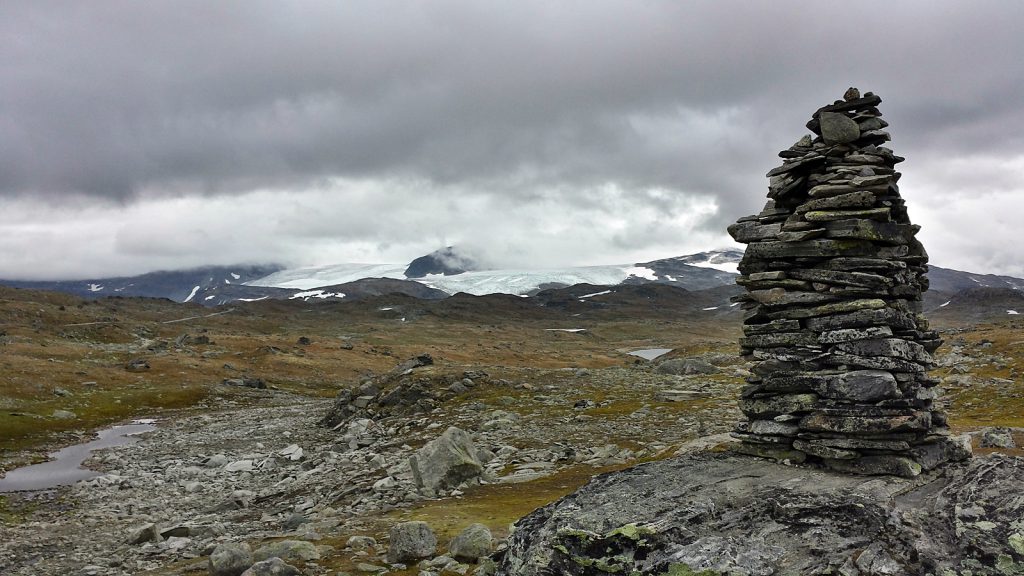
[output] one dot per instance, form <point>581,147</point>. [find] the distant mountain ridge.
<point>450,271</point>
<point>178,285</point>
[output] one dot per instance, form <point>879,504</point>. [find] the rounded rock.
<point>472,543</point>
<point>411,541</point>
<point>230,559</point>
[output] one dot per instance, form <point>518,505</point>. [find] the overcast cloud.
<point>137,136</point>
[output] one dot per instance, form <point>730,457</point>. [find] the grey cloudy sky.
<point>137,136</point>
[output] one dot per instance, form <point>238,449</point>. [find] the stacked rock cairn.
<point>833,324</point>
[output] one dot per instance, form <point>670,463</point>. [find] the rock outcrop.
<point>834,277</point>
<point>726,513</point>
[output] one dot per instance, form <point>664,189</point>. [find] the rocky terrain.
<point>297,422</point>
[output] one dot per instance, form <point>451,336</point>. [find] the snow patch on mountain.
<point>192,294</point>
<point>520,282</point>
<point>315,277</point>
<point>316,294</point>
<point>641,272</point>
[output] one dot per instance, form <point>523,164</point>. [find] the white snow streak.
<point>192,294</point>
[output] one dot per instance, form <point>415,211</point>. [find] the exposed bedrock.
<point>726,513</point>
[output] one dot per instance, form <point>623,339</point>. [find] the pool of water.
<point>650,353</point>
<point>65,468</point>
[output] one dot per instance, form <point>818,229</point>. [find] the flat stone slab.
<point>726,513</point>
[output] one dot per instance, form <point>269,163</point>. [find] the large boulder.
<point>272,567</point>
<point>445,462</point>
<point>724,513</point>
<point>287,550</point>
<point>230,559</point>
<point>472,543</point>
<point>411,541</point>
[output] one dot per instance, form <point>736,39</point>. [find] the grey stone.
<point>272,567</point>
<point>850,334</point>
<point>860,386</point>
<point>780,404</point>
<point>361,542</point>
<point>145,533</point>
<point>997,438</point>
<point>881,465</point>
<point>230,559</point>
<point>773,428</point>
<point>838,128</point>
<point>287,550</point>
<point>445,462</point>
<point>822,451</point>
<point>858,425</point>
<point>472,543</point>
<point>411,541</point>
<point>859,199</point>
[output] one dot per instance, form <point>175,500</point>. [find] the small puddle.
<point>65,467</point>
<point>650,353</point>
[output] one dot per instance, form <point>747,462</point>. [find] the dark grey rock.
<point>272,567</point>
<point>777,405</point>
<point>145,533</point>
<point>287,550</point>
<point>838,128</point>
<point>411,541</point>
<point>472,543</point>
<point>997,438</point>
<point>230,559</point>
<point>445,462</point>
<point>730,514</point>
<point>860,386</point>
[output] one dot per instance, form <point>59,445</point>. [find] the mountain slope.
<point>177,285</point>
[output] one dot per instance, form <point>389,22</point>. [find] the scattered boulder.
<point>411,541</point>
<point>245,382</point>
<point>145,533</point>
<point>361,543</point>
<point>137,365</point>
<point>472,543</point>
<point>230,559</point>
<point>303,341</point>
<point>445,462</point>
<point>287,550</point>
<point>272,567</point>
<point>997,438</point>
<point>64,415</point>
<point>414,362</point>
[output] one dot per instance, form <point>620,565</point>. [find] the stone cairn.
<point>833,277</point>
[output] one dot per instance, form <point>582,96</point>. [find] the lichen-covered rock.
<point>411,541</point>
<point>272,567</point>
<point>445,462</point>
<point>230,559</point>
<point>287,550</point>
<point>723,513</point>
<point>472,543</point>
